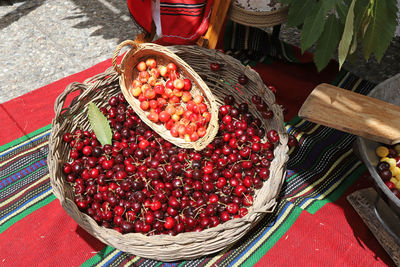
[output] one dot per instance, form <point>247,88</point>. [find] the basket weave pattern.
<point>257,18</point>
<point>190,245</point>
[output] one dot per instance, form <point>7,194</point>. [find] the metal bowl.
<point>388,91</point>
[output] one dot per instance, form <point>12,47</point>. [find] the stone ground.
<point>45,40</point>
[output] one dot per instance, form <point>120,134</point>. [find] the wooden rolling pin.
<point>353,113</point>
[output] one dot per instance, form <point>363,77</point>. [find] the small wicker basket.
<point>163,56</point>
<point>188,245</point>
<point>257,18</point>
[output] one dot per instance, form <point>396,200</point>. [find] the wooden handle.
<point>353,113</point>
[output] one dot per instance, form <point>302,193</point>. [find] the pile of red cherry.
<point>142,183</point>
<point>167,99</point>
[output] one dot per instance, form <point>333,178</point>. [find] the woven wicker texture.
<point>189,245</point>
<point>257,18</point>
<point>128,72</point>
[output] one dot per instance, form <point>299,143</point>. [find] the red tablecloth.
<point>333,236</point>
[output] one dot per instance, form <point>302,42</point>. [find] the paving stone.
<point>87,31</point>
<point>29,60</point>
<point>48,40</point>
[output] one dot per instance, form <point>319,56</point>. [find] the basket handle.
<point>118,49</point>
<point>59,103</point>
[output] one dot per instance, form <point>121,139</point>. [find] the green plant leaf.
<point>347,36</point>
<point>314,25</point>
<point>342,10</point>
<point>329,4</point>
<point>364,25</point>
<point>381,28</point>
<point>99,124</point>
<point>352,57</point>
<point>327,43</point>
<point>361,18</point>
<point>298,11</point>
<point>360,23</point>
<point>354,44</point>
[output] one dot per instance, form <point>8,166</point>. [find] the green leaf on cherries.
<point>99,124</point>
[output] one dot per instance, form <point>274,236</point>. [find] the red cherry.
<point>213,198</point>
<point>169,223</point>
<point>229,100</point>
<point>248,200</point>
<point>215,66</point>
<point>169,84</point>
<point>385,175</point>
<point>227,119</point>
<point>243,212</point>
<point>87,150</point>
<point>397,161</point>
<point>264,173</point>
<point>187,84</point>
<point>256,99</point>
<point>171,67</point>
<point>224,216</point>
<point>232,208</point>
<point>68,137</point>
<point>267,114</point>
<point>390,185</point>
<point>273,136</point>
<point>242,79</point>
<point>272,88</point>
<point>143,144</point>
<point>156,205</point>
<point>239,190</point>
<point>221,182</point>
<point>293,141</point>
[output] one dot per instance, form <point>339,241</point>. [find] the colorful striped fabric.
<point>24,177</point>
<point>319,170</point>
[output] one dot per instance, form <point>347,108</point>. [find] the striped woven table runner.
<point>319,170</point>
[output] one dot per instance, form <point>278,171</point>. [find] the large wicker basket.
<point>163,55</point>
<point>257,18</point>
<point>186,245</point>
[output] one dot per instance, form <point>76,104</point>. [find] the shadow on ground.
<point>111,17</point>
<point>23,9</point>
